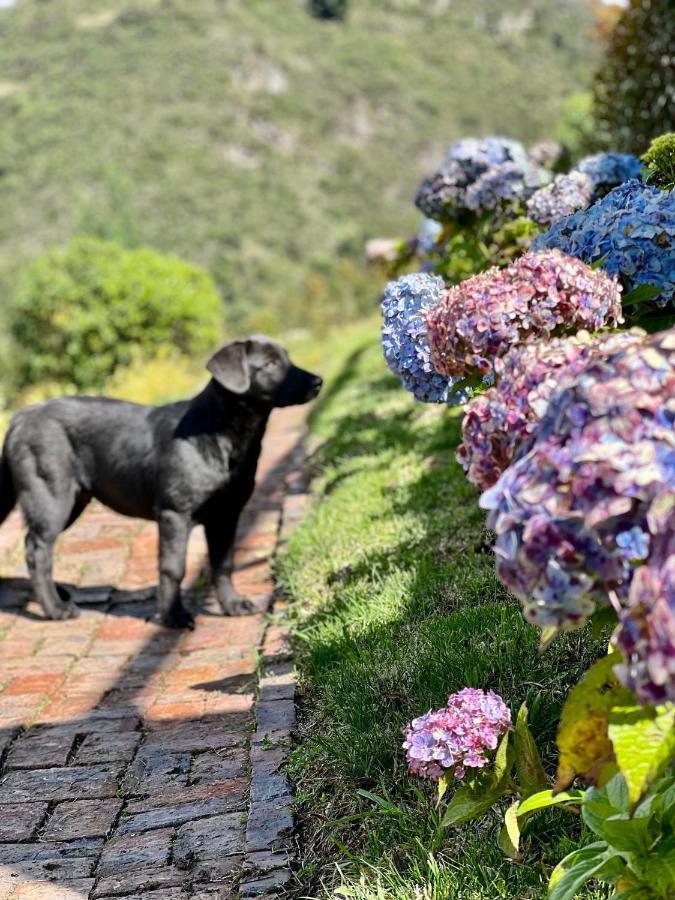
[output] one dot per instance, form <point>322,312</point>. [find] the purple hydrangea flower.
<point>500,420</point>
<point>477,321</point>
<point>459,735</point>
<point>506,183</point>
<point>581,509</point>
<point>646,634</point>
<point>631,231</point>
<point>546,153</point>
<point>609,170</point>
<point>564,196</point>
<point>404,336</point>
<point>443,196</point>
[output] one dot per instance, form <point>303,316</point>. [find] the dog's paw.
<point>240,606</point>
<point>179,618</point>
<point>63,612</point>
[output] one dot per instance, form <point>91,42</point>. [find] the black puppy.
<point>186,463</point>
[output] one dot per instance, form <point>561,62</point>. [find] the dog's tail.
<point>7,490</point>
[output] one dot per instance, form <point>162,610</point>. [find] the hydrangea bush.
<point>477,321</point>
<point>500,420</point>
<point>609,170</point>
<point>458,736</point>
<point>404,336</point>
<point>478,175</point>
<point>582,509</point>
<point>630,232</point>
<point>562,197</point>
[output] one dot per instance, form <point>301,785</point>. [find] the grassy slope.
<point>251,138</point>
<point>395,606</point>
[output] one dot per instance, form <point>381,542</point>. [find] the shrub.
<point>328,9</point>
<point>635,91</point>
<point>83,311</point>
<point>660,161</point>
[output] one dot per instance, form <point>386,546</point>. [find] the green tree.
<point>81,312</point>
<point>635,88</point>
<point>328,9</point>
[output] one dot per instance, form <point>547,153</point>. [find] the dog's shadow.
<point>16,598</point>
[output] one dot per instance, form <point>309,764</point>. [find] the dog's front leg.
<point>220,533</point>
<point>174,531</point>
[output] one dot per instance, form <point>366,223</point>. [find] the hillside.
<point>249,137</point>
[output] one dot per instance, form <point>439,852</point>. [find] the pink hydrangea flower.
<point>646,635</point>
<point>590,498</point>
<point>498,421</point>
<point>459,735</point>
<point>536,296</point>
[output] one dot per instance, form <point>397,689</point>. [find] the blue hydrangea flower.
<point>442,196</point>
<point>633,543</point>
<point>562,197</point>
<point>609,170</point>
<point>483,153</point>
<point>427,234</point>
<point>632,230</point>
<point>404,337</point>
<point>501,184</point>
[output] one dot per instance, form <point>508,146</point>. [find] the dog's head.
<point>259,367</point>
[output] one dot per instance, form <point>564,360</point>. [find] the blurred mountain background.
<point>257,140</point>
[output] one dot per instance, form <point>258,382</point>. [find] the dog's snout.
<point>299,386</point>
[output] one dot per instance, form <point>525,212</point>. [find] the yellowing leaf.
<point>644,743</point>
<point>509,836</point>
<point>583,739</point>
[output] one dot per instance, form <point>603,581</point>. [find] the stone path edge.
<point>270,855</point>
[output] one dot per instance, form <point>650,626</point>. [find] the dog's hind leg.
<point>49,502</point>
<point>174,531</point>
<point>40,560</point>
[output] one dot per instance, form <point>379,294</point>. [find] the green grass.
<point>395,605</point>
<point>251,138</point>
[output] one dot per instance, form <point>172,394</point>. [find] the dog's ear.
<point>229,366</point>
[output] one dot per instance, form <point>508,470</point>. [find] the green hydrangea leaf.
<point>547,798</point>
<point>640,294</point>
<point>644,743</point>
<point>467,804</point>
<point>530,772</point>
<point>658,868</point>
<point>576,869</point>
<point>504,759</point>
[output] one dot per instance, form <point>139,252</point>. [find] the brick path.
<point>138,761</point>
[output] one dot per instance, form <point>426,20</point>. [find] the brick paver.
<point>138,761</point>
